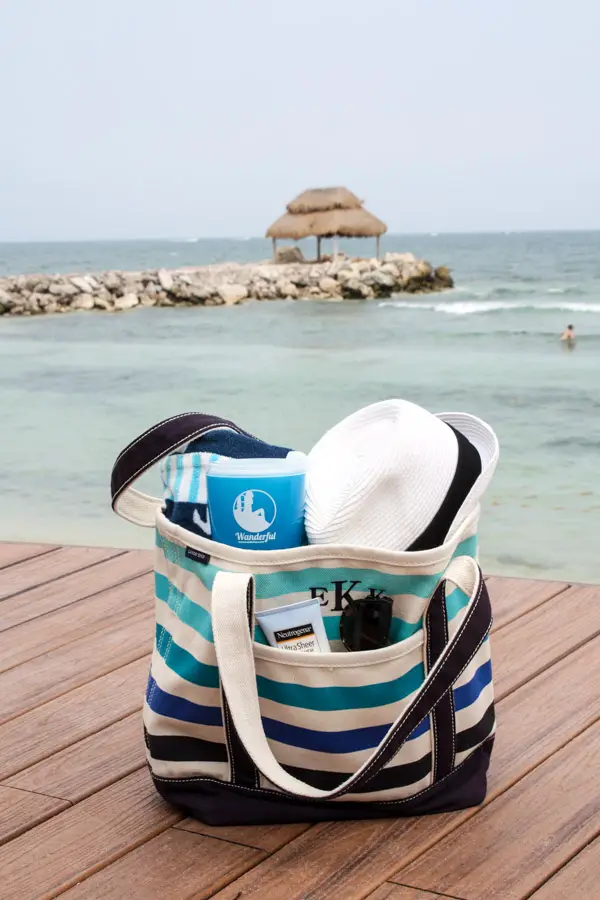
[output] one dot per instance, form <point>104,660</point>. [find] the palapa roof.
<point>325,212</point>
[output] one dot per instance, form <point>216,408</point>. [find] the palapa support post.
<point>274,249</point>
<point>318,249</point>
<point>377,252</point>
<point>335,246</point>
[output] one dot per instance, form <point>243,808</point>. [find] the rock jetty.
<point>227,284</point>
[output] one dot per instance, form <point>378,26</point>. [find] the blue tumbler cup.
<point>257,504</point>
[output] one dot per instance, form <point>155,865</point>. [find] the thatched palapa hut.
<point>326,213</point>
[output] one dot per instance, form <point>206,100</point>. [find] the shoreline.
<point>223,284</point>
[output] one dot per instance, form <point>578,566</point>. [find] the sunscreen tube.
<point>297,626</point>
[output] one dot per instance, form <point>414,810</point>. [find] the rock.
<point>111,281</point>
<point>63,290</point>
<point>190,293</point>
<point>82,284</point>
<point>6,301</point>
<point>287,289</point>
<point>103,301</point>
<point>31,304</point>
<point>165,280</point>
<point>285,255</point>
<point>83,301</point>
<point>443,277</point>
<point>128,301</point>
<point>345,275</point>
<point>329,286</point>
<point>231,294</point>
<point>392,270</point>
<point>300,279</point>
<point>381,279</point>
<point>399,259</point>
<point>354,288</point>
<point>148,300</point>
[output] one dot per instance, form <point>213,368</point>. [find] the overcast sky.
<point>180,118</point>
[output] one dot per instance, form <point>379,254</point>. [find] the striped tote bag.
<point>239,732</point>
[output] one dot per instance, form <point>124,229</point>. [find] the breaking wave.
<point>473,307</point>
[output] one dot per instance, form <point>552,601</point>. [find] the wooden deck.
<point>80,818</point>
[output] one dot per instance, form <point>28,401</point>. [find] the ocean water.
<point>75,389</point>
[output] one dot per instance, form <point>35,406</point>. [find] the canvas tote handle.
<point>233,607</point>
<point>148,449</point>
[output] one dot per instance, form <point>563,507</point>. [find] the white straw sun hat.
<point>394,476</point>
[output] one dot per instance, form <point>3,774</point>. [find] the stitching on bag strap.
<point>457,639</point>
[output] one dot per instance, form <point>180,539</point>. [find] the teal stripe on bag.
<point>278,584</point>
<point>183,663</point>
<point>191,614</point>
<point>337,699</point>
<point>455,601</point>
<point>198,618</point>
<point>322,699</point>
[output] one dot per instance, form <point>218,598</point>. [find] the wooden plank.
<point>261,837</point>
<point>84,838</point>
<point>329,861</point>
<point>71,588</point>
<point>11,553</point>
<point>71,717</point>
<point>349,859</point>
<point>48,567</point>
<point>20,810</point>
<point>39,680</point>
<point>521,838</point>
<point>89,765</point>
<point>397,892</point>
<point>546,634</point>
<point>578,880</point>
<point>176,865</point>
<point>55,629</point>
<point>512,597</point>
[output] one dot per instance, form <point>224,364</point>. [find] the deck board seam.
<point>120,718</point>
<point>78,599</point>
<point>98,867</point>
<point>426,890</point>
<point>101,626</point>
<point>17,562</point>
<point>531,609</point>
<point>228,840</point>
<point>12,787</point>
<point>469,814</point>
<point>573,649</point>
<point>562,866</point>
<point>96,677</point>
<point>77,568</point>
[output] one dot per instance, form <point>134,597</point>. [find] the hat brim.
<point>483,438</point>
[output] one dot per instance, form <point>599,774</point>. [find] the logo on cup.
<point>254,511</point>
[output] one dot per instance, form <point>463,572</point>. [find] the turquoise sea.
<point>76,388</point>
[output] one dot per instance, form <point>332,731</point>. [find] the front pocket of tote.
<point>323,722</point>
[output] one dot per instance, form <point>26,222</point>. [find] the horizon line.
<point>244,238</point>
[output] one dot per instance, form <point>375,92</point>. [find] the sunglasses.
<point>365,624</point>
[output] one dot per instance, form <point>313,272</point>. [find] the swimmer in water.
<point>568,335</point>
